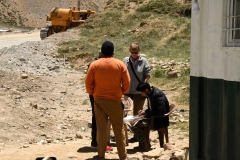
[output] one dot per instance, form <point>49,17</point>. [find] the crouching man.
<point>158,105</point>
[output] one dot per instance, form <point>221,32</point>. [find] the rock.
<point>89,124</point>
<point>25,146</point>
<point>155,153</point>
<point>180,154</point>
<point>34,105</point>
<point>49,140</point>
<point>172,89</point>
<point>22,59</point>
<point>164,157</point>
<point>24,76</point>
<point>173,74</point>
<point>133,158</point>
<point>79,135</point>
<point>173,121</point>
<point>155,140</point>
<point>167,146</point>
<point>83,129</point>
<point>17,97</point>
<point>164,67</point>
<point>136,156</point>
<point>42,142</point>
<point>89,109</point>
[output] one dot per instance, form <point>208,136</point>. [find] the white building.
<point>215,80</point>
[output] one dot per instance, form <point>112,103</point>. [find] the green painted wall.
<point>214,119</point>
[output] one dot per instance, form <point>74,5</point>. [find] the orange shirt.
<point>107,78</point>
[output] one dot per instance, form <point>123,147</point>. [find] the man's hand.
<point>141,112</point>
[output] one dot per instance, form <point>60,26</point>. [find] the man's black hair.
<point>107,49</point>
<point>142,86</point>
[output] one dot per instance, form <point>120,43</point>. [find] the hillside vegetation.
<point>162,28</point>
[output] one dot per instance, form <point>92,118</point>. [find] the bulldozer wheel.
<point>46,32</point>
<point>50,31</point>
<point>43,32</point>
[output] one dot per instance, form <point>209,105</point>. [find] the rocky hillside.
<point>32,13</point>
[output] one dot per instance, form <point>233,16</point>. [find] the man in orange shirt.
<point>107,80</point>
<point>94,125</point>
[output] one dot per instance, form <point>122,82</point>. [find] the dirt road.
<point>7,40</point>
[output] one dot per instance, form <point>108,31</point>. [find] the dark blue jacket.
<point>160,106</point>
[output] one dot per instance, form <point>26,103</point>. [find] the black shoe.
<point>132,140</point>
<point>142,144</point>
<point>141,147</point>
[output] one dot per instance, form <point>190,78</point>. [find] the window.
<point>231,24</point>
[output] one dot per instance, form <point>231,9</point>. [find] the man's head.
<point>144,88</point>
<point>107,49</point>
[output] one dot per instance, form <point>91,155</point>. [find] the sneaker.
<point>109,148</point>
<point>132,140</point>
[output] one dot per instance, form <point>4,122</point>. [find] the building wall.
<point>214,87</point>
<point>207,54</point>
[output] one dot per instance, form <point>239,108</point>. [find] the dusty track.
<point>7,40</point>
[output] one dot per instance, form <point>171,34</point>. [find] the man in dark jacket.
<point>158,105</point>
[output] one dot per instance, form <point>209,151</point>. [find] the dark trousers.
<point>94,125</point>
<point>138,102</point>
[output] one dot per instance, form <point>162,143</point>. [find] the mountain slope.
<point>161,27</point>
<point>32,13</point>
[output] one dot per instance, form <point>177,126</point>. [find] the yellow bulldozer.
<point>61,19</point>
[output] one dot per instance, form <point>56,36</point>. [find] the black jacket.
<point>160,106</point>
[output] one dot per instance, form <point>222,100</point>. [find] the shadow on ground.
<point>86,149</point>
